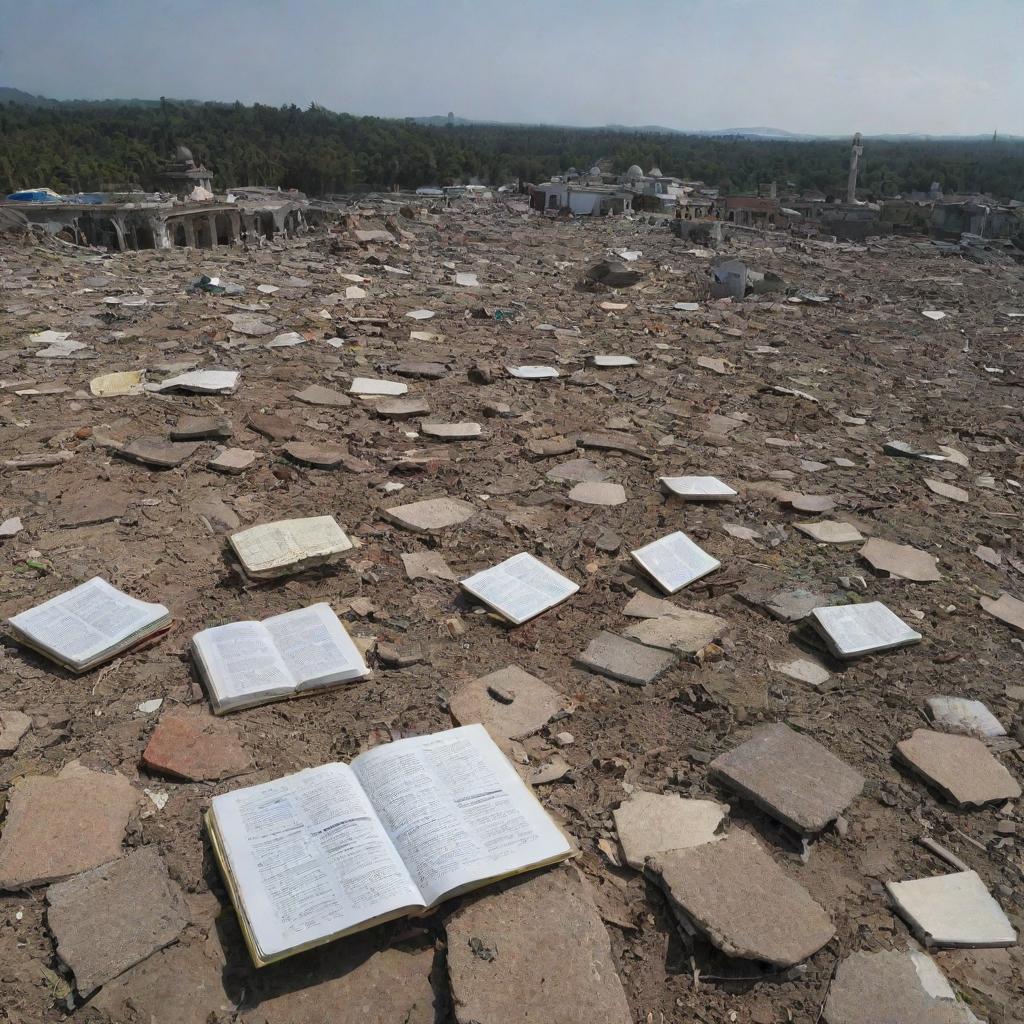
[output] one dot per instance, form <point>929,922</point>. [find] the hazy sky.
<point>828,66</point>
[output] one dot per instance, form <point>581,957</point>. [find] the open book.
<point>249,663</point>
<point>520,588</point>
<point>88,625</point>
<point>289,545</point>
<point>340,848</point>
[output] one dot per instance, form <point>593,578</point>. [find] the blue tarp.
<point>35,195</point>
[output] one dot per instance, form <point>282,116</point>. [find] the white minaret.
<point>851,182</point>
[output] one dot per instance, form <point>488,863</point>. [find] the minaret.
<point>851,182</point>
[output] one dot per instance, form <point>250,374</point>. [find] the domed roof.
<point>634,172</point>
<point>595,169</point>
<point>184,155</point>
<point>655,172</point>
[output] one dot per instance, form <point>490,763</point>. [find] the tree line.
<point>82,147</point>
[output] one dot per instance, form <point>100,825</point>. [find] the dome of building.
<point>595,170</point>
<point>634,172</point>
<point>655,172</point>
<point>184,155</point>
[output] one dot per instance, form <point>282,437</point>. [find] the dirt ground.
<point>878,371</point>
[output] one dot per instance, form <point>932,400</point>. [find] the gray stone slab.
<point>901,560</point>
<point>13,725</point>
<point>317,394</point>
<point>430,515</point>
<point>535,953</point>
<point>320,456</point>
<point>792,777</point>
<point>402,408</point>
<point>427,565</point>
<point>649,824</point>
<point>961,767</point>
<point>467,431</point>
<point>577,471</point>
<point>734,893</point>
<point>893,987</point>
<point>155,451</point>
<point>627,660</point>
<point>201,428</point>
<point>598,493</point>
<point>687,632</point>
<point>108,919</point>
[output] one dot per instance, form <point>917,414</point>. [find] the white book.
<point>289,545</point>
<point>340,848</point>
<point>88,625</point>
<point>852,630</point>
<point>248,663</point>
<point>698,488</point>
<point>204,382</point>
<point>520,588</point>
<point>674,562</point>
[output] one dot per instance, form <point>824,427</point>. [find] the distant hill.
<point>26,99</point>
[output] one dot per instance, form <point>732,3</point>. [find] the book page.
<point>309,857</point>
<point>520,587</point>
<point>317,536</point>
<point>240,659</point>
<point>456,810</point>
<point>86,621</point>
<point>674,561</point>
<point>315,646</point>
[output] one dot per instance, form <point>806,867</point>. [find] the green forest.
<point>81,147</point>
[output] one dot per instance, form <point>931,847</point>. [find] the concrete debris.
<point>650,824</point>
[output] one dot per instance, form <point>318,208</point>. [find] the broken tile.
<point>509,703</point>
<point>901,560</point>
<point>155,451</point>
<point>737,896</point>
<point>952,910</point>
<point>945,490</point>
<point>316,394</point>
<point>854,630</point>
<point>201,428</point>
<point>402,408</point>
<point>625,660</point>
<point>320,456</point>
<point>649,824</point>
<point>535,951</point>
<point>195,746</point>
<point>687,632</point>
<point>808,502</point>
<point>967,717</point>
<point>532,372</point>
<point>803,670</point>
<point>1006,609</point>
<point>430,515</point>
<point>375,386</point>
<point>232,460</point>
<point>830,532</point>
<point>961,767</point>
<point>427,565</point>
<point>274,427</point>
<point>901,986</point>
<point>577,471</point>
<point>110,918</point>
<point>594,492</point>
<point>792,777</point>
<point>646,606</point>
<point>416,368</point>
<point>60,825</point>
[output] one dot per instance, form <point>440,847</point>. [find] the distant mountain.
<point>25,99</point>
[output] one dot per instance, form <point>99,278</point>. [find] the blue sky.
<point>822,66</point>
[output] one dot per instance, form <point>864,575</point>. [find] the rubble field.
<point>789,396</point>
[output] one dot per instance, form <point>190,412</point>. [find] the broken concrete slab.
<point>535,951</point>
<point>649,824</point>
<point>626,660</point>
<point>901,986</point>
<point>594,492</point>
<point>274,427</point>
<point>13,726</point>
<point>792,777</point>
<point>687,632</point>
<point>1006,609</point>
<point>950,491</point>
<point>452,431</point>
<point>427,565</point>
<point>112,917</point>
<point>964,716</point>
<point>317,394</point>
<point>61,825</point>
<point>155,451</point>
<point>646,606</point>
<point>831,532</point>
<point>195,746</point>
<point>319,456</point>
<point>901,561</point>
<point>509,703</point>
<point>371,386</point>
<point>402,408</point>
<point>803,669</point>
<point>577,471</point>
<point>430,515</point>
<point>961,767</point>
<point>348,980</point>
<point>952,910</point>
<point>201,428</point>
<point>416,368</point>
<point>232,460</point>
<point>734,893</point>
